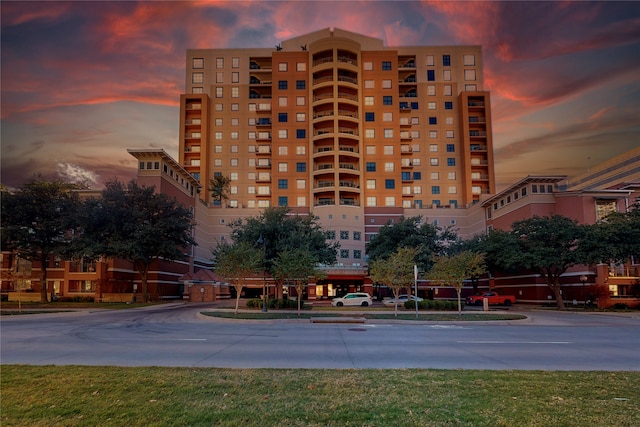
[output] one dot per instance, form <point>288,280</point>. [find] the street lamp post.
<point>263,242</point>
<point>583,279</point>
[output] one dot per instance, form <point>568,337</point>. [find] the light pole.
<point>583,279</point>
<point>263,242</point>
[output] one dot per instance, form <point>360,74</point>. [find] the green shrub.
<point>444,305</point>
<point>273,303</point>
<point>76,298</point>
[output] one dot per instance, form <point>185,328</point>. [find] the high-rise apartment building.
<point>337,124</point>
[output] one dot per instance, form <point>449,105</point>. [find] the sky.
<point>82,81</point>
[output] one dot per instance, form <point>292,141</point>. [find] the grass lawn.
<point>111,396</point>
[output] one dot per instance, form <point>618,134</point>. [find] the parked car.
<point>355,298</point>
<point>493,297</point>
<point>390,302</point>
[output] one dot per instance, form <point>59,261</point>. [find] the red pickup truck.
<point>493,297</point>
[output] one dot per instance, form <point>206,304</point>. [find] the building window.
<point>435,189</point>
<point>197,78</point>
<point>417,176</point>
<point>388,149</point>
<point>470,75</point>
<point>301,184</point>
<point>469,60</point>
<point>369,133</point>
<point>282,117</point>
<point>282,167</point>
<point>387,100</point>
<point>448,90</point>
<point>369,117</point>
<point>389,167</point>
<point>368,101</point>
<point>431,75</point>
<point>331,235</point>
<point>283,150</point>
<point>433,161</point>
<point>451,148</point>
<point>371,166</point>
<point>451,161</point>
<point>453,189</point>
<point>389,184</point>
<point>301,133</point>
<point>446,60</point>
<point>446,75</point>
<point>448,105</point>
<point>430,61</point>
<point>433,120</point>
<point>301,117</point>
<point>449,134</point>
<point>431,90</point>
<point>371,201</point>
<point>386,84</point>
<point>357,254</point>
<point>283,134</point>
<point>282,84</point>
<point>369,84</point>
<point>371,184</point>
<point>388,133</point>
<point>387,117</point>
<point>301,84</point>
<point>219,63</point>
<point>386,65</point>
<point>283,101</point>
<point>301,167</point>
<point>390,201</point>
<point>197,63</point>
<point>344,253</point>
<point>282,66</point>
<point>283,200</point>
<point>367,66</point>
<point>344,235</point>
<point>283,184</point>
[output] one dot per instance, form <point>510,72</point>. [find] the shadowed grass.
<point>111,396</point>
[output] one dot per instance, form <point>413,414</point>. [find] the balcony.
<point>477,134</point>
<point>263,122</point>
<point>349,184</point>
<point>476,104</point>
<point>476,147</point>
<point>263,136</point>
<point>263,150</point>
<point>348,131</point>
<point>324,184</point>
<point>348,166</point>
<point>263,164</point>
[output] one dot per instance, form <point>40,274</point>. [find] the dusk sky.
<point>83,81</point>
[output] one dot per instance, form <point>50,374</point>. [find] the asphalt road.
<point>175,335</point>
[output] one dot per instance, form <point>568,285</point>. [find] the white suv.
<point>357,298</point>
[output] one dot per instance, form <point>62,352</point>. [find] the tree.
<point>615,239</point>
<point>283,231</point>
<point>414,232</point>
<point>453,270</point>
<point>219,188</point>
<point>296,266</point>
<point>237,262</point>
<point>38,220</point>
<point>395,271</point>
<point>548,245</point>
<point>137,224</point>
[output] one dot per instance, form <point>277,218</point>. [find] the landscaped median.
<point>380,315</point>
<point>115,396</point>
